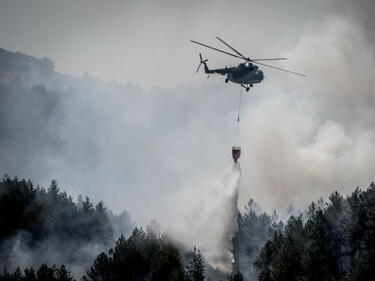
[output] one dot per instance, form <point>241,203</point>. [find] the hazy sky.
<point>301,138</point>
<point>148,42</point>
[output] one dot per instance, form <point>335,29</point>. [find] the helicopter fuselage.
<point>247,75</point>
<point>242,74</point>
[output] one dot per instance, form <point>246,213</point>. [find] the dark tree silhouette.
<point>334,241</point>
<point>195,271</point>
<point>48,222</point>
<point>44,273</point>
<point>143,256</point>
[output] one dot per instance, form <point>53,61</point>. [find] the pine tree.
<point>166,265</point>
<point>45,273</point>
<point>195,270</point>
<point>30,275</point>
<point>62,274</point>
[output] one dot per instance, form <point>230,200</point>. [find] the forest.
<point>331,240</point>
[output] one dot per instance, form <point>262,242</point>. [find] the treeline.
<point>40,225</point>
<point>49,224</point>
<point>333,240</point>
<point>50,214</point>
<point>44,273</point>
<point>144,256</point>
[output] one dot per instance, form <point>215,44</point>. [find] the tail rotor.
<point>201,61</point>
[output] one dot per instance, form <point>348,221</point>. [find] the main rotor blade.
<point>233,49</point>
<point>247,59</point>
<point>278,68</point>
<point>217,50</point>
<point>270,59</point>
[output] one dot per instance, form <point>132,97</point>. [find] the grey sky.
<point>147,42</point>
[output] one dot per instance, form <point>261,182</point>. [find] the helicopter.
<point>247,73</point>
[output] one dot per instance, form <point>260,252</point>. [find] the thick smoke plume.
<point>312,136</point>
<point>205,215</point>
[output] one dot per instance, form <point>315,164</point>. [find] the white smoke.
<point>309,137</point>
<point>205,215</point>
<point>78,257</point>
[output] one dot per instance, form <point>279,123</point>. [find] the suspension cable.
<point>239,106</point>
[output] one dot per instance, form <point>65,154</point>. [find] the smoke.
<point>75,255</point>
<point>205,215</point>
<point>119,144</point>
<point>312,136</point>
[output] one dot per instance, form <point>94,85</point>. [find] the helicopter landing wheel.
<point>247,89</point>
<point>226,80</point>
